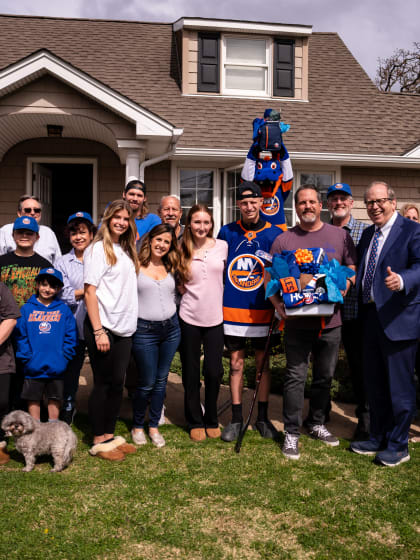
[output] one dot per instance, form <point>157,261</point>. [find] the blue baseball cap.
<point>81,216</point>
<point>26,222</point>
<point>339,187</point>
<point>50,273</point>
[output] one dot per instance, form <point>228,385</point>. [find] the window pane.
<point>251,51</point>
<point>196,186</point>
<point>246,78</point>
<point>233,180</point>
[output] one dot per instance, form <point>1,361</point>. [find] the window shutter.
<point>208,62</point>
<point>284,64</point>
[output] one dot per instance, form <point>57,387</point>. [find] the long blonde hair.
<point>187,244</point>
<point>127,240</point>
<point>172,259</point>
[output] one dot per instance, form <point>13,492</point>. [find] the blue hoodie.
<point>46,337</point>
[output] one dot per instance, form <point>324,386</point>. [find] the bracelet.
<point>97,330</point>
<point>99,333</point>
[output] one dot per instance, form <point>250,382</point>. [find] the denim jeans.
<point>299,344</point>
<point>72,374</point>
<point>154,346</point>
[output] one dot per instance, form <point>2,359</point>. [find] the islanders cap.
<point>81,216</point>
<point>248,189</point>
<point>50,273</point>
<point>26,222</point>
<point>339,187</point>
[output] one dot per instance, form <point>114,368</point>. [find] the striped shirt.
<point>349,309</point>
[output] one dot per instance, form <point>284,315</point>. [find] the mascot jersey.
<point>246,312</point>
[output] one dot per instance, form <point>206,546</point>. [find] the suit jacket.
<point>398,312</point>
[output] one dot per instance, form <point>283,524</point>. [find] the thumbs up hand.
<point>392,280</point>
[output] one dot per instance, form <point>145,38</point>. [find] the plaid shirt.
<point>349,309</point>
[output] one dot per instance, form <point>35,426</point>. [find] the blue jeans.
<point>154,346</point>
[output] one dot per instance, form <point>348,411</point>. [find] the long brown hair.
<point>172,259</point>
<point>187,244</point>
<point>127,240</point>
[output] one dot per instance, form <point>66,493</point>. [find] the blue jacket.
<point>46,338</point>
<point>398,312</point>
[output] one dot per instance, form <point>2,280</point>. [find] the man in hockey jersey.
<point>246,312</point>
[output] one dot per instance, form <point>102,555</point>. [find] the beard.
<point>308,217</point>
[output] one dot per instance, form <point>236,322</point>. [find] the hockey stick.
<point>257,385</point>
<point>224,406</point>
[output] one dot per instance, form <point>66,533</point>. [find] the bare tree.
<point>400,72</point>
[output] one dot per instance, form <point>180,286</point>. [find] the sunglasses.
<point>29,210</point>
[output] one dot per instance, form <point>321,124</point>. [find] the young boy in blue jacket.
<point>46,339</point>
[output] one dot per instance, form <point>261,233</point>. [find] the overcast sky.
<point>370,28</point>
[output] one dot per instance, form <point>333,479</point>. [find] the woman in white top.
<point>110,268</point>
<point>157,336</point>
<point>201,321</point>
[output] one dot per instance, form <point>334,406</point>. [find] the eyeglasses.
<point>29,210</point>
<point>378,201</point>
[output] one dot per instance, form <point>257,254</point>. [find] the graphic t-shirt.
<point>19,273</point>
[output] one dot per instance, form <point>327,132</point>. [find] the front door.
<point>42,188</point>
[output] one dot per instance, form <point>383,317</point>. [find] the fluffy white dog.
<point>33,438</point>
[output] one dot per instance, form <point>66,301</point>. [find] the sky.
<point>371,29</point>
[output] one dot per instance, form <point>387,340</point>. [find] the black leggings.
<point>108,380</point>
<point>191,339</point>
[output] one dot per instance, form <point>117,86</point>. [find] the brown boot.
<point>198,434</point>
<point>213,433</point>
<point>4,456</point>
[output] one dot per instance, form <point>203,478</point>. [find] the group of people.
<point>142,286</point>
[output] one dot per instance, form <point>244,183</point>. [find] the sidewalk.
<point>342,423</point>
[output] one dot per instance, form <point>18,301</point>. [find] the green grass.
<point>203,501</point>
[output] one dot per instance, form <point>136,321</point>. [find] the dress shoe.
<point>266,429</point>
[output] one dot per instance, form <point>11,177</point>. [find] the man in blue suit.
<point>388,284</point>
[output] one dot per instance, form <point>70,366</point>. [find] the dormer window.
<point>248,66</point>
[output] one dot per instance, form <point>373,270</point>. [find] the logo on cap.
<point>50,271</point>
<point>26,221</point>
<point>79,214</point>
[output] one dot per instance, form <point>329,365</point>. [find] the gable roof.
<point>345,113</point>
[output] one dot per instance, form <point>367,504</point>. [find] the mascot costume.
<point>268,164</point>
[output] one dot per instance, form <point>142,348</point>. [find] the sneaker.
<point>368,447</point>
<point>231,431</point>
<point>138,436</point>
<point>67,416</point>
<point>290,447</point>
<point>162,416</point>
<point>392,458</point>
<point>319,431</point>
<point>266,429</point>
<point>157,439</point>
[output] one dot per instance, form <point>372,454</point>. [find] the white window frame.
<point>177,166</point>
<point>268,66</point>
<point>297,181</point>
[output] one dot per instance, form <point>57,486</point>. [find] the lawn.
<point>203,501</point>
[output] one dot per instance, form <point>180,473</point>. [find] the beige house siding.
<point>157,180</point>
<point>405,182</point>
<point>111,174</point>
<point>190,64</point>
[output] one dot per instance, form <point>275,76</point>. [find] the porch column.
<point>132,164</point>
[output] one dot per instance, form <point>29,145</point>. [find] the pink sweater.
<point>202,303</point>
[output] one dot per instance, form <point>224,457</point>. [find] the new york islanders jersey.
<point>246,312</point>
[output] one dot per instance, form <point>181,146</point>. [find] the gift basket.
<point>307,281</point>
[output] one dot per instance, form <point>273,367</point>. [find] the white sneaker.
<point>157,439</point>
<point>290,447</point>
<point>138,436</point>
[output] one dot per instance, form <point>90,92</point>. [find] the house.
<point>85,104</point>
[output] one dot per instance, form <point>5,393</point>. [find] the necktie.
<point>371,265</point>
